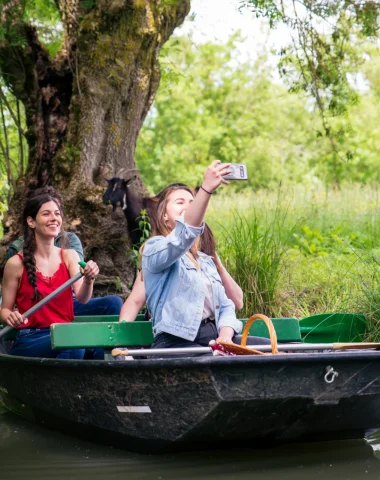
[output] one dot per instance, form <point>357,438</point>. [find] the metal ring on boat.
<point>330,374</point>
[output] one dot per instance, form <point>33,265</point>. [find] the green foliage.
<point>270,9</point>
<point>324,52</point>
<point>43,14</point>
<point>145,227</point>
<point>69,153</point>
<point>313,242</point>
<point>253,253</point>
<point>369,300</point>
<point>86,4</point>
<point>11,14</point>
<point>4,188</point>
<point>209,106</point>
<point>13,145</point>
<point>332,271</point>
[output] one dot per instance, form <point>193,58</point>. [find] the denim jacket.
<point>174,287</point>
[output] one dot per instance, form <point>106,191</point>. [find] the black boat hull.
<point>155,405</point>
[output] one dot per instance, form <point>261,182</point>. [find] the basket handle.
<point>268,323</point>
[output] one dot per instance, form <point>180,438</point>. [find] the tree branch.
<point>7,158</point>
<point>9,108</point>
<point>314,84</point>
<point>20,139</point>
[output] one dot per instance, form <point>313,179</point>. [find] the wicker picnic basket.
<point>242,349</point>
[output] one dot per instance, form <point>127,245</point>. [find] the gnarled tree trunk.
<point>84,110</point>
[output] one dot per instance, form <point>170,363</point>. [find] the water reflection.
<point>31,452</point>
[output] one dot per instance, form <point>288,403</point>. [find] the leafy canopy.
<point>323,52</point>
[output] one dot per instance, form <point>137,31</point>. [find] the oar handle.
<point>47,299</point>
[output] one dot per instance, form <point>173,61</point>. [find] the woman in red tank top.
<point>40,269</point>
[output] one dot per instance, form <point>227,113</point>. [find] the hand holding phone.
<point>239,172</point>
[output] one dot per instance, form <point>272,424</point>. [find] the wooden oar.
<point>47,299</point>
<point>294,347</point>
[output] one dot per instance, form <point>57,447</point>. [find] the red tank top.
<point>58,310</point>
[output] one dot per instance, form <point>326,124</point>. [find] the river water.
<point>31,452</point>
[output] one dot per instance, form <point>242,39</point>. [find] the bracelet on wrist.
<point>210,193</point>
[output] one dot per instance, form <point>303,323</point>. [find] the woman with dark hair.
<point>37,271</point>
<point>106,305</point>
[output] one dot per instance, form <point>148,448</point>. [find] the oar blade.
<point>333,327</point>
<point>356,346</point>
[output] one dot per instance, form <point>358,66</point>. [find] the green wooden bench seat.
<point>110,334</point>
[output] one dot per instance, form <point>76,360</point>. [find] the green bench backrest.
<point>100,334</point>
<point>114,334</point>
<point>105,319</point>
<point>287,329</point>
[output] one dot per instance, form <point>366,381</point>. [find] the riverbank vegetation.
<point>302,235</point>
<point>297,252</point>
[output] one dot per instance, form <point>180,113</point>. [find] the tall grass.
<point>298,252</point>
<point>253,253</point>
<point>368,300</point>
<point>322,219</point>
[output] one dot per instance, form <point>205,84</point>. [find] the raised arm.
<point>212,179</point>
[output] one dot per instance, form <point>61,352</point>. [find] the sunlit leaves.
<point>219,108</point>
<point>43,14</point>
<point>270,9</point>
<point>324,49</point>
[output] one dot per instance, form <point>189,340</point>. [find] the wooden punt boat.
<point>149,405</point>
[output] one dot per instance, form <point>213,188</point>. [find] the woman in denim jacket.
<point>184,291</point>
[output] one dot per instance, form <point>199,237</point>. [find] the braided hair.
<point>31,209</point>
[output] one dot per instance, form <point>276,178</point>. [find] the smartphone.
<point>239,172</point>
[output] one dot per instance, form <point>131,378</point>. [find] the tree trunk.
<point>84,110</point>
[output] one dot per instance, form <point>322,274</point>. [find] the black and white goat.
<point>118,192</point>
